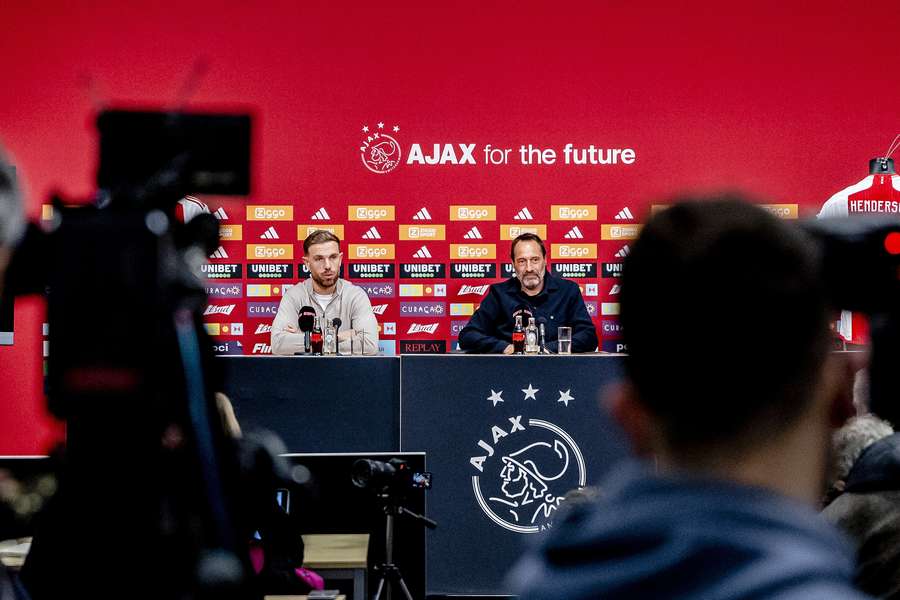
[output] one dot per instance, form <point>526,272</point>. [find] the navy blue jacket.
<point>652,537</point>
<point>559,304</point>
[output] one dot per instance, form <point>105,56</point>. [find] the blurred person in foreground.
<point>739,429</point>
<point>864,500</point>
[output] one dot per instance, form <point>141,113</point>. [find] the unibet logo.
<point>478,212</point>
<point>372,251</point>
<point>422,232</point>
<point>573,212</point>
<point>370,213</point>
<point>267,212</point>
<point>574,251</point>
<point>269,251</point>
<point>473,251</point>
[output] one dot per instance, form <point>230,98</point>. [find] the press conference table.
<point>474,416</point>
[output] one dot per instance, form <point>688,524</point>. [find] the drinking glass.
<point>564,337</point>
<point>329,347</point>
<point>358,343</point>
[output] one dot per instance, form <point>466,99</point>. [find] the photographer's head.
<point>743,290</point>
<point>529,259</point>
<point>322,256</point>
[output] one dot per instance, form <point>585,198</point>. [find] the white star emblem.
<point>396,128</point>
<point>530,392</point>
<point>381,126</point>
<point>495,397</point>
<point>365,129</point>
<point>564,397</point>
<point>377,135</point>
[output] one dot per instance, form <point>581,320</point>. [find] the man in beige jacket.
<point>328,295</point>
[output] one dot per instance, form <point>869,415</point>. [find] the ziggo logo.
<point>371,213</point>
<point>368,252</point>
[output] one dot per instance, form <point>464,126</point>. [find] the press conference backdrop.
<point>425,265</point>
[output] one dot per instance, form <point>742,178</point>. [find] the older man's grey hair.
<point>853,438</point>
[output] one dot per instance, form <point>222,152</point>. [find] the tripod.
<point>390,573</point>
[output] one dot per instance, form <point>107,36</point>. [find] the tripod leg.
<point>380,587</point>
<point>404,588</point>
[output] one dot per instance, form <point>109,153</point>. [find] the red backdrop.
<point>782,99</point>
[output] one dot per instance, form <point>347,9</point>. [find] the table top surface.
<point>336,551</point>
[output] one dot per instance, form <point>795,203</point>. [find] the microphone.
<point>305,321</point>
<point>543,335</point>
<point>336,323</point>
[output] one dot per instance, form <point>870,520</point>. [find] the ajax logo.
<point>380,152</point>
<point>522,474</point>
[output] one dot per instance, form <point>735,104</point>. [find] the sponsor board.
<point>423,232</point>
<point>380,212</point>
<point>462,309</point>
<point>263,329</point>
<point>473,212</point>
<point>610,329</point>
<point>221,290</point>
<point>390,328</point>
<point>473,251</point>
<point>270,212</point>
<point>387,347</point>
<point>423,347</point>
<point>422,328</point>
<point>270,251</point>
<point>574,270</point>
<point>591,289</point>
<point>228,348</point>
<point>573,212</point>
<point>261,348</point>
<point>262,290</point>
<point>231,233</point>
<point>423,271</point>
<point>379,309</point>
<point>591,306</point>
<point>378,290</point>
<point>420,289</point>
<point>270,271</point>
<point>473,270</point>
<point>304,231</point>
<point>262,310</point>
<point>619,232</point>
<point>371,251</point>
<point>456,326</point>
<point>303,271</point>
<point>507,270</point>
<point>413,309</point>
<point>371,270</point>
<point>612,269</point>
<point>785,211</point>
<point>219,329</point>
<point>614,346</point>
<point>575,251</point>
<point>511,232</point>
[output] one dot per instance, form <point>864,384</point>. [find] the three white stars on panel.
<point>531,392</point>
<point>365,128</point>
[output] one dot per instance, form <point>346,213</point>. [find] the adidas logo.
<point>523,215</point>
<point>218,310</point>
<point>371,234</point>
<point>473,234</point>
<point>220,214</point>
<point>614,289</point>
<point>478,290</point>
<point>574,234</point>
<point>624,214</point>
<point>625,251</point>
<point>321,215</point>
<point>263,329</point>
<point>219,253</point>
<point>422,253</point>
<point>429,329</point>
<point>269,234</point>
<point>379,309</point>
<point>422,215</point>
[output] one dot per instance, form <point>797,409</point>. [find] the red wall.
<point>785,99</point>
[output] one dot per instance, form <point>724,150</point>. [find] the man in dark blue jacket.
<point>550,300</point>
<point>737,435</point>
